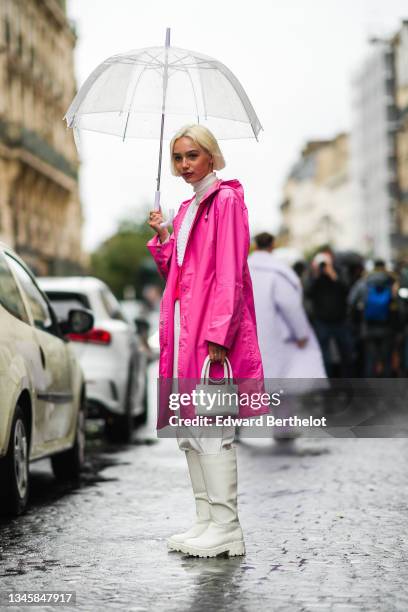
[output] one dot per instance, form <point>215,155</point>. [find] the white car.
<point>111,354</point>
<point>42,388</point>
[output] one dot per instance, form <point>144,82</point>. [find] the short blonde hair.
<point>205,139</point>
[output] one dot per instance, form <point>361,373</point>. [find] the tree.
<point>123,259</point>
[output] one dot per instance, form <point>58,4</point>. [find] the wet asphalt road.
<point>325,527</point>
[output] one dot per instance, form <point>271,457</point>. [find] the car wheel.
<point>14,470</point>
<point>69,464</point>
<point>119,427</point>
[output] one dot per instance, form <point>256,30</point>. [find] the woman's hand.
<point>216,352</point>
<point>155,218</point>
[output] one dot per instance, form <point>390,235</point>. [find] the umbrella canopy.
<point>152,92</point>
<point>124,96</point>
<point>348,258</point>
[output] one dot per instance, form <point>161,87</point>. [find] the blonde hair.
<point>205,139</point>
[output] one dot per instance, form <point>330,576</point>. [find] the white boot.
<point>201,500</point>
<point>224,533</point>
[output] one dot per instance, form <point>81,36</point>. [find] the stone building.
<point>319,206</point>
<point>40,211</point>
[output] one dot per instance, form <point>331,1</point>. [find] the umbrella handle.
<point>156,201</point>
<point>158,207</point>
<point>170,219</point>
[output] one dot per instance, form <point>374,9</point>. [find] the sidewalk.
<point>325,530</point>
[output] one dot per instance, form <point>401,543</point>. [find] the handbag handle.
<point>227,371</point>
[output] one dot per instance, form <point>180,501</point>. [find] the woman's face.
<point>191,161</point>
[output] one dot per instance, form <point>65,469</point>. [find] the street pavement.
<point>325,525</point>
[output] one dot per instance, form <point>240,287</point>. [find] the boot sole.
<point>236,549</point>
<point>173,546</point>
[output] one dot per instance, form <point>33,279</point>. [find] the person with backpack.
<point>374,298</point>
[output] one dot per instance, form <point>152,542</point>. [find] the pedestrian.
<point>355,318</point>
<point>402,302</point>
<point>327,294</point>
<point>207,310</point>
<point>288,345</point>
<point>374,296</point>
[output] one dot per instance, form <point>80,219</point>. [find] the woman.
<point>288,344</point>
<point>207,310</point>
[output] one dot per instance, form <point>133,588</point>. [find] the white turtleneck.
<point>200,189</point>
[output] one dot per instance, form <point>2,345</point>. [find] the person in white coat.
<point>289,347</point>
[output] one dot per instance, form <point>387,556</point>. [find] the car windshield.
<point>63,302</point>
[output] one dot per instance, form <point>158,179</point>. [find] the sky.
<point>294,58</point>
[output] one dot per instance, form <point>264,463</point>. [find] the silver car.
<point>42,388</point>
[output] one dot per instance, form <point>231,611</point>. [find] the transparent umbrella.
<point>152,92</point>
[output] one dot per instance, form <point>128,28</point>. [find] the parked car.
<point>42,388</point>
<point>111,354</point>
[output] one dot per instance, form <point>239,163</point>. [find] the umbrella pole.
<point>165,81</point>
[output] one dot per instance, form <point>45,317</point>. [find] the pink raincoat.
<point>215,292</point>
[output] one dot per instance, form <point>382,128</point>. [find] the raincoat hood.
<point>264,261</point>
<point>219,184</point>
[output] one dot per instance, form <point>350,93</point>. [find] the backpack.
<point>377,303</point>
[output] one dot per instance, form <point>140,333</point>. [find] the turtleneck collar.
<point>201,187</point>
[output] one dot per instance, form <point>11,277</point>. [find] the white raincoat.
<point>281,320</point>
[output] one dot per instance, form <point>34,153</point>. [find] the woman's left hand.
<point>216,352</point>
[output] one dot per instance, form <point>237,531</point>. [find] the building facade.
<point>40,211</point>
<point>380,145</point>
<point>319,206</point>
<point>400,44</point>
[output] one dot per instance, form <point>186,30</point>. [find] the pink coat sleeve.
<point>162,253</point>
<point>232,245</point>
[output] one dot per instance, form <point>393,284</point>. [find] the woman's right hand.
<point>155,218</point>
